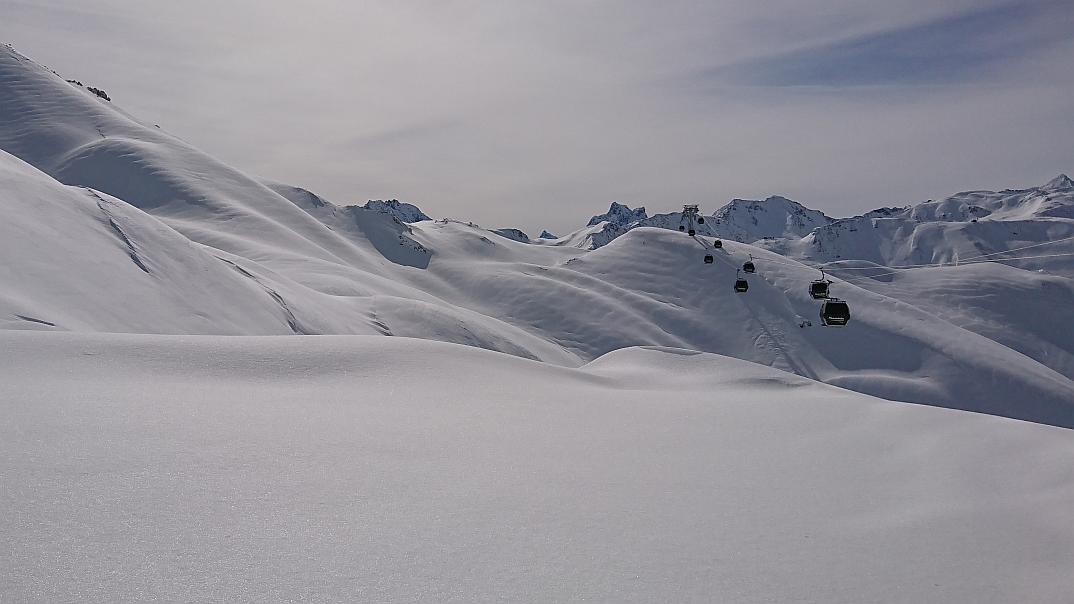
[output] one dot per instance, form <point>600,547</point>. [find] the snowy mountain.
<point>513,234</point>
<point>742,220</point>
<point>599,416</point>
<point>748,220</point>
<point>619,214</point>
<point>913,234</point>
<point>280,259</point>
<point>962,227</point>
<point>405,212</point>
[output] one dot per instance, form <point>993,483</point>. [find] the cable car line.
<point>960,261</point>
<point>1025,247</point>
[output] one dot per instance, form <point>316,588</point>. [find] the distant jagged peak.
<point>515,234</point>
<point>1059,183</point>
<point>619,214</point>
<point>546,235</point>
<point>405,212</point>
<point>885,212</point>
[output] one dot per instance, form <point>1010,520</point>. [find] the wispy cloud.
<point>947,49</point>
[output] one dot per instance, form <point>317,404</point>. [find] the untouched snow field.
<point>350,468</point>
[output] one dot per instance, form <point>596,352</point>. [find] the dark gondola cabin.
<point>741,285</point>
<point>818,290</point>
<point>708,258</point>
<point>718,244</point>
<point>700,220</point>
<point>834,313</point>
<point>748,267</point>
<point>691,232</point>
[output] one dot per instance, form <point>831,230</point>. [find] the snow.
<point>597,416</point>
<point>1059,183</point>
<point>748,220</point>
<point>169,240</point>
<point>386,469</point>
<point>513,234</point>
<point>742,220</point>
<point>620,215</point>
<point>405,212</point>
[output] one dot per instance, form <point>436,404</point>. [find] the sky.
<point>539,114</point>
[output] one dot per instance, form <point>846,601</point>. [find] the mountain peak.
<point>405,212</point>
<point>546,235</point>
<point>1059,182</point>
<point>619,214</point>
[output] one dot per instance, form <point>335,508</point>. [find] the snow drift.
<point>378,469</point>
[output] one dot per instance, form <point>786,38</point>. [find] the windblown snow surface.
<point>384,469</point>
<point>597,416</point>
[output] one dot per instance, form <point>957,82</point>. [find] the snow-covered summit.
<point>405,212</point>
<point>513,234</point>
<point>749,220</point>
<point>741,220</point>
<point>619,214</point>
<point>1059,183</point>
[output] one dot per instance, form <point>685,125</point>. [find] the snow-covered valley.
<point>199,402</point>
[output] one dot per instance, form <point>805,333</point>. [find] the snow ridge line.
<point>377,324</point>
<point>289,315</point>
<point>119,231</point>
<point>33,320</point>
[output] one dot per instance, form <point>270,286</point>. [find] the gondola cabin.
<point>718,244</point>
<point>834,313</point>
<point>708,258</point>
<point>819,290</point>
<point>741,285</point>
<point>748,267</point>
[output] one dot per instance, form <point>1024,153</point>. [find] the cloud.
<point>943,50</point>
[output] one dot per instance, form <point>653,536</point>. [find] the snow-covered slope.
<point>75,259</point>
<point>1029,312</point>
<point>143,468</point>
<point>198,247</point>
<point>962,227</point>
